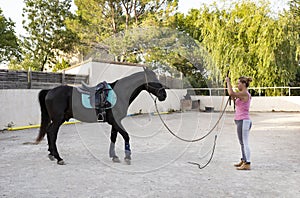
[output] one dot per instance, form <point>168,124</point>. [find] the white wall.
<point>83,69</point>
<point>144,102</point>
<point>21,107</point>
<point>100,71</point>
<point>264,104</point>
<point>110,72</point>
<point>280,103</point>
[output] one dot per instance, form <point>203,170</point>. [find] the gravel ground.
<point>159,165</point>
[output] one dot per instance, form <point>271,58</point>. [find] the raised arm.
<point>242,95</point>
<point>229,87</point>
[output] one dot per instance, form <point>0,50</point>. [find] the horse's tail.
<point>45,118</point>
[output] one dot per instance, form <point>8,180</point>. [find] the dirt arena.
<point>159,166</point>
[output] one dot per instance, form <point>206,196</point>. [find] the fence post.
<point>29,78</point>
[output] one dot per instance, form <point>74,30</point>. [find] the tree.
<point>26,64</point>
<point>48,35</point>
<point>100,19</point>
<point>133,31</point>
<point>291,18</point>
<point>9,47</point>
<point>246,40</point>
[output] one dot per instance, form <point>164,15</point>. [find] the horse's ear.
<point>145,68</point>
<point>148,70</point>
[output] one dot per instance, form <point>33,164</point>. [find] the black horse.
<point>64,102</point>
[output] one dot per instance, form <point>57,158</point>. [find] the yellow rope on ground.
<point>35,126</point>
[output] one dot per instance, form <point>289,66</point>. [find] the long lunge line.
<point>211,156</point>
<point>192,140</point>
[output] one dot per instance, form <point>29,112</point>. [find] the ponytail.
<point>245,80</point>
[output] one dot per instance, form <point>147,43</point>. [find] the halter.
<point>155,88</point>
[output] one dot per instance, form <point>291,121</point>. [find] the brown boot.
<point>244,166</point>
<point>239,164</point>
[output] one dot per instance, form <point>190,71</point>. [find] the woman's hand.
<point>227,79</point>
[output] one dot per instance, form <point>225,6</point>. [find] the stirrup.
<point>101,117</point>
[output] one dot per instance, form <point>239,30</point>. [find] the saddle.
<point>100,97</point>
<point>88,88</point>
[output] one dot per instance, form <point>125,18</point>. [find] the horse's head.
<point>154,86</point>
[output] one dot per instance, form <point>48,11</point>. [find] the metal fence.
<point>255,91</point>
<point>10,79</point>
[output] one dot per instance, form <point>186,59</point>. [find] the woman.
<point>242,118</point>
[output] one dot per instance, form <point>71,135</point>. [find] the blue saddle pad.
<point>111,98</point>
<point>86,102</point>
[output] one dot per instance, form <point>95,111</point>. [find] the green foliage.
<point>132,31</point>
<point>61,65</point>
<point>9,47</point>
<point>246,40</point>
<point>48,36</point>
<point>97,20</point>
<point>165,50</point>
<point>291,19</point>
<point>26,64</point>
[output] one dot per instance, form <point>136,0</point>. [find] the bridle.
<point>192,140</point>
<point>157,90</point>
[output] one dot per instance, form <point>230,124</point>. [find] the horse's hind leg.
<point>52,137</point>
<point>50,155</point>
<point>112,152</point>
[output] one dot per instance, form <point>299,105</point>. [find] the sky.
<point>14,8</point>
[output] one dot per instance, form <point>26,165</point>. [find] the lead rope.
<point>213,149</point>
<point>193,140</point>
<point>211,156</point>
<point>214,146</point>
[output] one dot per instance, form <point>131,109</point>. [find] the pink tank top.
<point>242,109</point>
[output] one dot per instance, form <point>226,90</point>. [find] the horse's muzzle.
<point>162,95</point>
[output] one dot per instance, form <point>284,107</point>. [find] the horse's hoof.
<point>51,157</point>
<point>61,162</point>
<point>127,160</point>
<point>116,159</point>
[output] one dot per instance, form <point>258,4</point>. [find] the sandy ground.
<point>160,165</point>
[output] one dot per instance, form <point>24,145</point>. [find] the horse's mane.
<point>130,76</point>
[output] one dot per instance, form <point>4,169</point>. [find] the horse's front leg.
<point>127,153</point>
<point>127,146</point>
<point>112,151</point>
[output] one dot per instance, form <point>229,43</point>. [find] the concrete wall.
<point>263,104</point>
<point>145,104</point>
<point>21,107</point>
